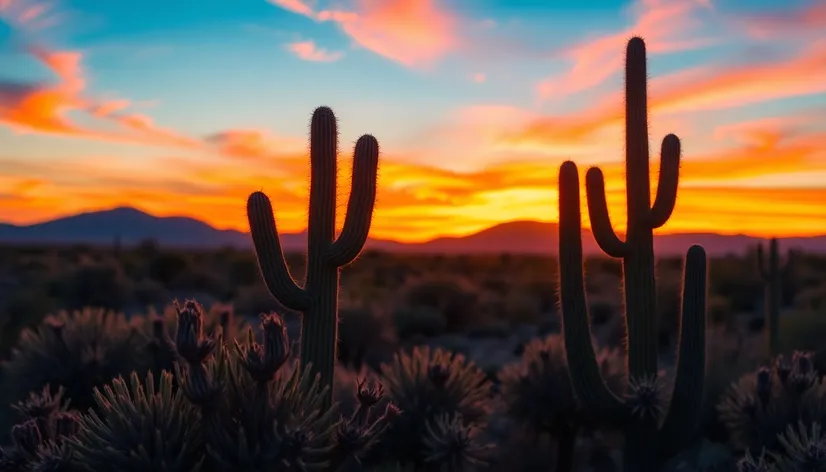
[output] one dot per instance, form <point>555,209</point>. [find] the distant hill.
<point>132,226</point>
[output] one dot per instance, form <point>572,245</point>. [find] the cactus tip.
<point>636,44</point>
<point>696,251</point>
<point>593,173</point>
<point>568,166</point>
<point>323,110</point>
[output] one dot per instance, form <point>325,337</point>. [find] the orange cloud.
<point>308,51</point>
<point>43,108</point>
<point>667,25</point>
<point>414,33</point>
<point>416,201</point>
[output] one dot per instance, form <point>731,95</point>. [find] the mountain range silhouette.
<point>131,226</point>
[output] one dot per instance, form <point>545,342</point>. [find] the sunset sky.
<point>186,109</point>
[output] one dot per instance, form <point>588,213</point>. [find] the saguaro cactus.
<point>317,300</point>
<point>639,410</point>
<point>772,271</point>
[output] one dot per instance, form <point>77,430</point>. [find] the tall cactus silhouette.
<point>317,300</point>
<point>639,410</point>
<point>772,271</point>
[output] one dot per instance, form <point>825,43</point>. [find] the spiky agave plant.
<point>256,420</point>
<point>139,426</point>
<point>77,351</point>
<point>756,463</point>
<point>445,402</point>
<point>762,405</point>
<point>537,392</point>
<point>804,448</point>
<point>39,440</point>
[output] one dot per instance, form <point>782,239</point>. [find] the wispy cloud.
<point>308,51</point>
<point>666,25</point>
<point>810,18</point>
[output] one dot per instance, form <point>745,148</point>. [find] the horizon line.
<point>585,227</point>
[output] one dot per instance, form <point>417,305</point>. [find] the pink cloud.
<point>28,14</point>
<point>666,25</point>
<point>811,17</point>
<point>414,33</point>
<point>308,51</point>
<point>699,89</point>
<point>479,78</point>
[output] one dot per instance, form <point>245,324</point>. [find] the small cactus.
<point>647,438</point>
<point>317,300</point>
<point>772,271</point>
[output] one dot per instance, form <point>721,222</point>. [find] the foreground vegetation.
<point>419,363</point>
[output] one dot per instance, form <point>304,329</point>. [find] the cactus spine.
<point>772,271</point>
<point>647,439</point>
<point>317,300</point>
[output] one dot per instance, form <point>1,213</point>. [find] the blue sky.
<point>138,101</point>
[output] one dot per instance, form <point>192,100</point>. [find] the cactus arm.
<point>270,254</point>
<point>667,183</point>
<point>687,397</point>
<point>360,205</point>
<point>586,377</point>
<point>600,217</point>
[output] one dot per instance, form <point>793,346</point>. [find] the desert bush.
<point>802,330</point>
<point>168,266</point>
<point>418,321</point>
<point>456,299</point>
<point>102,285</point>
<point>363,334</point>
<point>731,355</point>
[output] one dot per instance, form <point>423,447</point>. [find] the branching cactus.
<point>648,437</point>
<point>772,271</point>
<point>318,298</point>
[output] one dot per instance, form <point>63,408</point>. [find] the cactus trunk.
<point>648,436</point>
<point>318,298</point>
<point>772,272</point>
